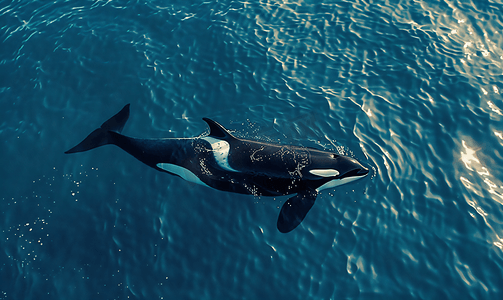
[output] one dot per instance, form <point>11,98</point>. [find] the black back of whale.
<point>257,168</point>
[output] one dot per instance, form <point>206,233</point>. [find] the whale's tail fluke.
<point>102,136</point>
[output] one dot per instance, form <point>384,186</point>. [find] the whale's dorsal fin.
<point>217,130</point>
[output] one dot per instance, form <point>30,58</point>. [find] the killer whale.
<point>227,163</point>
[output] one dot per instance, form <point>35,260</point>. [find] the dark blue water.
<point>410,88</point>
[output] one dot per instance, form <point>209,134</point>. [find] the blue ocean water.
<point>412,89</point>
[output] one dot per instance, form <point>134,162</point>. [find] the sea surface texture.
<point>412,89</point>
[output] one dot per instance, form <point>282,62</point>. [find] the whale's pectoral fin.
<point>102,136</point>
<point>295,210</point>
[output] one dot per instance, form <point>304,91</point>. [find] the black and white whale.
<point>227,163</point>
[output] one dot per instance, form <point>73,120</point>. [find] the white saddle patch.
<point>182,172</point>
<point>221,152</point>
<point>324,172</point>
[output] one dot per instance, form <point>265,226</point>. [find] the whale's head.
<point>337,170</point>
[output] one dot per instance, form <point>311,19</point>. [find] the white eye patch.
<point>324,172</point>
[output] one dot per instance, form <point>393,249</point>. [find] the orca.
<point>224,162</point>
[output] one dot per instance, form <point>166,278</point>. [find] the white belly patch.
<point>182,172</point>
<point>220,152</point>
<point>337,182</point>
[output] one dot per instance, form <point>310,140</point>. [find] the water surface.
<point>410,88</point>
